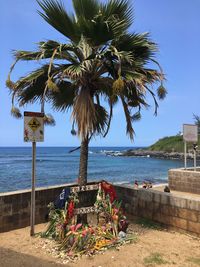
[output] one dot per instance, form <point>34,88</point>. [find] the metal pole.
<point>32,232</point>
<point>185,155</point>
<point>195,160</point>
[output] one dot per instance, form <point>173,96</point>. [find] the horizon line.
<point>63,146</point>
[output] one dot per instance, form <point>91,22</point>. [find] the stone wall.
<point>15,206</point>
<point>178,212</point>
<point>184,180</point>
<point>174,211</point>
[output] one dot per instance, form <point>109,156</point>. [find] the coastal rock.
<point>153,154</point>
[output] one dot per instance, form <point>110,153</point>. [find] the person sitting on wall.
<point>167,189</point>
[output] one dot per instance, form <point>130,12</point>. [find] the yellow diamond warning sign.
<point>33,127</point>
<point>34,124</point>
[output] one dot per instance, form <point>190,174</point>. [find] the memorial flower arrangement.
<point>77,239</point>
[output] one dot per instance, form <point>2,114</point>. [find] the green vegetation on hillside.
<point>171,144</point>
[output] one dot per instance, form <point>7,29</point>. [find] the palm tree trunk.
<point>82,218</point>
<point>83,161</point>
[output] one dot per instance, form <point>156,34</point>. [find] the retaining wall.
<point>175,211</point>
<point>15,206</point>
<point>184,180</point>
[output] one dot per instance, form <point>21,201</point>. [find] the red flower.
<point>109,190</point>
<point>70,210</point>
<point>76,227</point>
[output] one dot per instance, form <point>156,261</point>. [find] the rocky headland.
<point>171,147</point>
<point>151,154</point>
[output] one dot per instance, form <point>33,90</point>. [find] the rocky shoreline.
<point>151,154</point>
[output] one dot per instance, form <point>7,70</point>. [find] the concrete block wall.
<point>15,206</point>
<point>178,212</point>
<point>184,180</point>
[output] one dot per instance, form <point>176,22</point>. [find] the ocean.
<point>55,165</point>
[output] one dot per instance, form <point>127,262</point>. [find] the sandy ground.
<point>18,249</point>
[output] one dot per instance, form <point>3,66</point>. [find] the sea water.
<point>55,165</point>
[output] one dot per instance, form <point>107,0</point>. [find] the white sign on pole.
<point>190,133</point>
<point>33,132</point>
<point>33,127</point>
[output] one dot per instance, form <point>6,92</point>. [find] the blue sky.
<point>174,25</point>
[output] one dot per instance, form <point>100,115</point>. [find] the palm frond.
<point>118,86</point>
<point>154,99</point>
<point>86,9</point>
<point>101,119</point>
<point>55,14</point>
<point>121,10</point>
<point>52,85</point>
<point>49,120</point>
<point>129,127</point>
<point>27,55</point>
<point>136,116</point>
<point>110,118</point>
<point>15,112</point>
<point>196,119</point>
<point>30,88</point>
<point>84,113</point>
<point>10,84</point>
<point>161,91</point>
<point>64,99</point>
<point>46,50</point>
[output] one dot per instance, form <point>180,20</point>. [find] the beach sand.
<point>18,249</point>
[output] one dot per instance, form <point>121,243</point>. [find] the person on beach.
<point>144,185</point>
<point>136,184</point>
<point>147,185</point>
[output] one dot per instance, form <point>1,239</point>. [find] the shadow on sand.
<point>11,258</point>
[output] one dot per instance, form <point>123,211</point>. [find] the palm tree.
<point>100,64</point>
<point>197,121</point>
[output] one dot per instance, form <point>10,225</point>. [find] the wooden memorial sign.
<point>84,188</point>
<point>84,210</point>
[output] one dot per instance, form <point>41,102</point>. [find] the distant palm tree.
<point>197,121</point>
<point>100,64</point>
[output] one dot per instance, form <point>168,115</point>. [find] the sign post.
<point>195,156</point>
<point>185,155</point>
<point>190,134</point>
<point>33,132</point>
<point>32,222</point>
